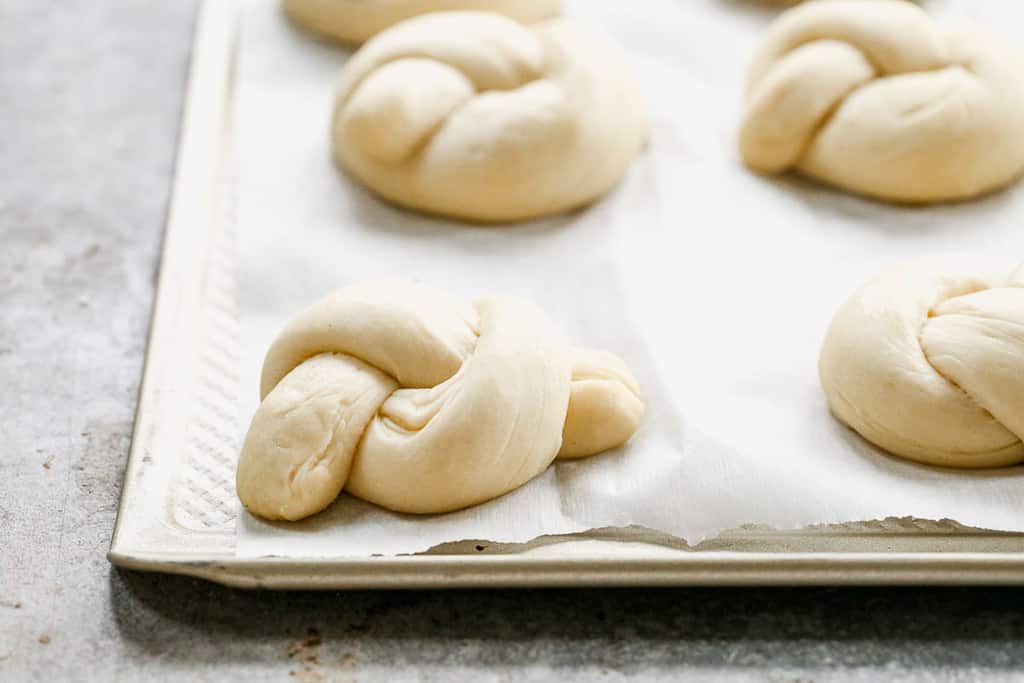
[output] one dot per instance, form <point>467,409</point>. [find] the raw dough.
<point>873,97</point>
<point>419,402</point>
<point>927,361</point>
<point>353,21</point>
<point>472,115</point>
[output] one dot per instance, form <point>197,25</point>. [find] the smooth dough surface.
<point>472,115</point>
<point>927,361</point>
<point>873,97</point>
<point>354,21</point>
<point>419,402</point>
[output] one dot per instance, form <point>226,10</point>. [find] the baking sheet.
<point>714,284</point>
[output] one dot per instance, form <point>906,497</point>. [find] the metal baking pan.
<point>178,506</point>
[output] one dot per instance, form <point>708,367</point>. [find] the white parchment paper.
<point>715,285</point>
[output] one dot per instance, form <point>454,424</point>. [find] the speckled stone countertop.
<point>91,96</point>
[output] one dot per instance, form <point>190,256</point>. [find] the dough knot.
<point>354,21</point>
<point>419,402</point>
<point>925,361</point>
<point>470,114</point>
<point>873,97</point>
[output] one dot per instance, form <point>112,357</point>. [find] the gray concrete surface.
<point>90,95</point>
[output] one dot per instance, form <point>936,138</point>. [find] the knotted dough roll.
<point>419,402</point>
<point>873,97</point>
<point>927,361</point>
<point>472,115</point>
<point>353,21</point>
